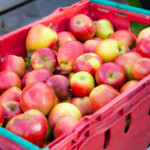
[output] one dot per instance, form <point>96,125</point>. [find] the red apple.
<point>14,63</point>
<point>83,104</point>
<point>140,68</point>
<point>62,110</point>
<point>38,75</point>
<point>11,109</point>
<point>40,36</point>
<point>143,47</point>
<point>68,53</point>
<point>31,125</point>
<point>60,85</point>
<point>9,79</point>
<point>12,94</point>
<point>90,45</point>
<point>59,71</point>
<point>23,81</point>
<point>64,126</point>
<point>82,84</point>
<point>125,62</point>
<point>110,74</point>
<point>110,49</point>
<point>97,39</point>
<point>82,27</point>
<point>126,37</point>
<point>44,58</point>
<point>88,62</point>
<point>101,95</point>
<point>1,115</point>
<point>63,37</point>
<point>128,85</point>
<point>38,96</point>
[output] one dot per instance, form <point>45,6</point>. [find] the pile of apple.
<point>70,74</point>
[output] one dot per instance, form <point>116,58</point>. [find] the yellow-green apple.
<point>38,75</point>
<point>59,71</point>
<point>12,94</point>
<point>90,45</point>
<point>110,74</point>
<point>68,53</point>
<point>104,28</point>
<point>125,62</point>
<point>82,83</point>
<point>101,95</point>
<point>82,27</point>
<point>63,37</point>
<point>110,49</point>
<point>88,62</point>
<point>143,47</point>
<point>40,36</point>
<point>64,126</point>
<point>83,104</point>
<point>1,115</point>
<point>145,33</point>
<point>140,68</point>
<point>60,85</point>
<point>11,109</point>
<point>14,63</point>
<point>31,125</point>
<point>9,79</point>
<point>126,37</point>
<point>44,58</point>
<point>63,110</point>
<point>128,85</point>
<point>37,95</point>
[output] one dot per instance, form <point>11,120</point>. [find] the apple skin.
<point>31,125</point>
<point>101,95</point>
<point>104,28</point>
<point>38,75</point>
<point>64,126</point>
<point>126,37</point>
<point>82,84</point>
<point>36,35</point>
<point>63,37</point>
<point>60,85</point>
<point>44,58</point>
<point>68,53</point>
<point>23,81</point>
<point>140,68</point>
<point>145,33</point>
<point>110,49</point>
<point>12,94</point>
<point>62,110</point>
<point>127,85</point>
<point>143,47</point>
<point>83,104</point>
<point>82,27</point>
<point>110,74</point>
<point>88,62</point>
<point>59,71</point>
<point>90,45</point>
<point>11,109</point>
<point>125,62</point>
<point>1,115</point>
<point>9,79</point>
<point>38,96</point>
<point>97,39</point>
<point>14,63</point>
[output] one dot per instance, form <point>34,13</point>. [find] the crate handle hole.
<point>107,139</point>
<point>103,9</point>
<point>128,120</point>
<point>121,14</point>
<point>136,27</point>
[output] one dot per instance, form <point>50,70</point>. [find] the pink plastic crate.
<point>106,128</point>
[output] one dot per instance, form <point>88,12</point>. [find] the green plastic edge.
<point>122,6</point>
<point>19,140</point>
